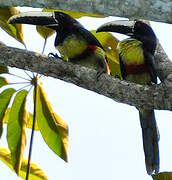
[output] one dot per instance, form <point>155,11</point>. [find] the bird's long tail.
<point>150,140</point>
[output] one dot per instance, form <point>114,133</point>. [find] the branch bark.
<point>159,10</point>
<point>155,96</point>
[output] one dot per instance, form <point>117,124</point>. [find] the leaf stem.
<point>19,83</point>
<point>45,42</point>
<point>25,46</point>
<point>24,87</point>
<point>33,127</point>
<point>29,75</point>
<point>19,76</point>
<point>43,49</point>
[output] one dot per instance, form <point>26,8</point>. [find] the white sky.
<point>105,141</point>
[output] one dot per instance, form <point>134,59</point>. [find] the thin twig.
<point>24,87</point>
<point>30,89</point>
<point>18,83</point>
<point>45,42</point>
<point>32,133</point>
<point>43,49</point>
<point>25,46</point>
<point>29,75</point>
<point>19,76</point>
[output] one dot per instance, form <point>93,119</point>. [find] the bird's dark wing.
<point>150,61</point>
<point>122,68</point>
<point>88,36</point>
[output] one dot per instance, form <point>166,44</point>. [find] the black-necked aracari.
<point>137,65</point>
<point>73,41</point>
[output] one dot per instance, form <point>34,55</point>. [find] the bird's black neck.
<point>149,42</point>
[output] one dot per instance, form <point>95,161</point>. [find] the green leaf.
<point>29,121</point>
<point>53,129</point>
<point>5,98</point>
<point>14,30</point>
<point>3,82</point>
<point>3,69</point>
<point>35,172</point>
<point>109,44</point>
<point>16,135</point>
<point>162,176</point>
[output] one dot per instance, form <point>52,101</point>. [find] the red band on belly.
<point>136,69</point>
<point>88,51</point>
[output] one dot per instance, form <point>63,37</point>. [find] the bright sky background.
<point>105,140</point>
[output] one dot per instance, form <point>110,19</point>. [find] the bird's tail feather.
<point>150,140</point>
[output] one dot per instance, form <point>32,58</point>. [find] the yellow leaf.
<point>162,176</point>
<point>53,129</point>
<point>109,44</point>
<point>30,122</point>
<point>44,31</point>
<point>16,129</point>
<point>15,30</point>
<point>35,172</point>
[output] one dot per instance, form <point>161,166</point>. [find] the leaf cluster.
<point>53,129</point>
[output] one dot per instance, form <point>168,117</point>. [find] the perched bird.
<point>137,65</point>
<point>73,41</point>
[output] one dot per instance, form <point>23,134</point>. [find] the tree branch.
<point>155,96</point>
<point>158,10</point>
<point>164,65</point>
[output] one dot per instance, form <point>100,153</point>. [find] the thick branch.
<point>159,10</point>
<point>157,96</point>
<point>164,65</point>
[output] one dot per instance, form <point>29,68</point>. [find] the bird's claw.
<point>99,73</point>
<point>54,55</point>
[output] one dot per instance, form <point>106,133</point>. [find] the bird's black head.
<point>135,29</point>
<point>62,17</point>
<point>144,33</point>
<point>142,28</point>
<point>64,20</point>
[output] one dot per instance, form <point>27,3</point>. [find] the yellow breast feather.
<point>131,51</point>
<point>72,46</point>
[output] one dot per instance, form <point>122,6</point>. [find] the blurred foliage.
<point>162,176</point>
<point>14,30</point>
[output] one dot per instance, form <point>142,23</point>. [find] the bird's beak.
<point>35,18</point>
<point>123,27</point>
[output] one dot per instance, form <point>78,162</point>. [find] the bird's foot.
<point>117,76</point>
<point>99,73</point>
<point>54,55</point>
<point>151,84</point>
